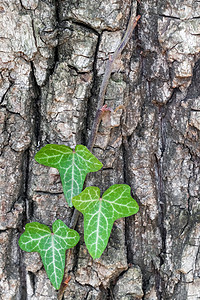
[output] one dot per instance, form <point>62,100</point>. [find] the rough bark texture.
<point>52,59</point>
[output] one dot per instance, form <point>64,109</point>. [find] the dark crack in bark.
<point>36,107</point>
<point>160,285</point>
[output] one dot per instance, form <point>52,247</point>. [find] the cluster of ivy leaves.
<point>99,212</point>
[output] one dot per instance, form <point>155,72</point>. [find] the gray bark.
<point>52,59</point>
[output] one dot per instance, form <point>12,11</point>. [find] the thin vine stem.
<point>109,68</point>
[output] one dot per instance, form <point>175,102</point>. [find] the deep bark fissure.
<point>56,48</point>
<point>160,284</point>
<point>188,187</point>
<point>28,201</point>
<point>54,62</point>
<point>47,193</point>
<point>32,280</point>
<point>36,107</point>
<point>145,284</point>
<point>6,92</point>
<point>22,274</point>
<point>26,216</point>
<point>170,17</point>
<point>128,222</point>
<point>109,293</point>
<point>193,90</point>
<point>84,25</point>
<point>90,104</point>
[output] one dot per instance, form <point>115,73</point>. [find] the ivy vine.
<point>99,212</point>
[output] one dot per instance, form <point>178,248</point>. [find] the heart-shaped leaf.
<point>51,246</point>
<point>73,166</point>
<point>100,213</point>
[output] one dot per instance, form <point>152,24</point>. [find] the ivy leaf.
<point>100,213</point>
<point>73,166</point>
<point>51,246</point>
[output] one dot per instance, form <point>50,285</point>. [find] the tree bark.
<point>52,59</point>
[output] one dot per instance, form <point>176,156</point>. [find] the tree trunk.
<point>53,57</point>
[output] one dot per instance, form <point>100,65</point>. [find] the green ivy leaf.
<point>51,246</point>
<point>100,213</point>
<point>73,166</point>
